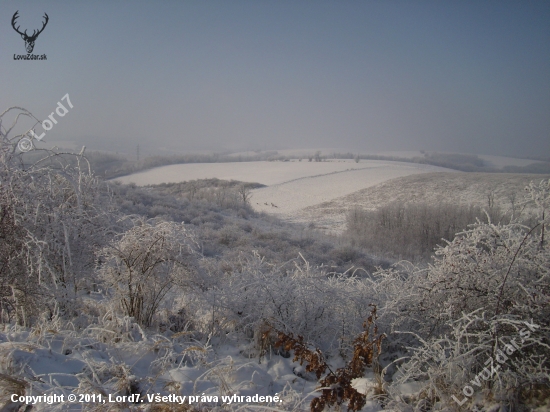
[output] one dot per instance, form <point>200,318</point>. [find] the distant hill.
<point>503,189</point>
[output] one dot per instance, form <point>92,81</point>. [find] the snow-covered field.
<point>500,161</point>
<point>323,192</point>
<point>267,173</point>
<point>458,188</point>
<point>289,199</point>
<point>291,186</point>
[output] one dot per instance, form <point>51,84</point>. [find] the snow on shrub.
<point>485,287</point>
<point>326,309</point>
<point>142,265</point>
<point>53,214</point>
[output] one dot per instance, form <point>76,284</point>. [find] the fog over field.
<point>276,205</point>
<point>175,77</point>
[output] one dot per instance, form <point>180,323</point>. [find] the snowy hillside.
<point>109,302</point>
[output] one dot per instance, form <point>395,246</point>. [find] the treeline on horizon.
<point>456,161</point>
<point>109,166</point>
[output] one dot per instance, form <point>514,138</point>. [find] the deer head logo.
<point>29,40</point>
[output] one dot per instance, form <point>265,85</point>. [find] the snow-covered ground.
<point>323,192</point>
<point>104,369</point>
<point>267,173</point>
<point>458,188</point>
<point>291,186</point>
<point>288,199</point>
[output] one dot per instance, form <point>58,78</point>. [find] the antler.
<point>43,25</point>
<point>34,33</point>
<point>15,16</point>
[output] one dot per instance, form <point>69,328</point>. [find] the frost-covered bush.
<point>141,266</point>
<point>326,309</point>
<point>500,268</point>
<point>481,293</point>
<point>53,214</point>
<point>503,359</point>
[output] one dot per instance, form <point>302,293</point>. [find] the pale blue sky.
<point>463,76</point>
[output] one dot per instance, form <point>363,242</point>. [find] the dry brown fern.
<point>336,387</point>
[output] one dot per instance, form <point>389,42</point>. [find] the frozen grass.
<point>115,357</point>
<point>211,336</point>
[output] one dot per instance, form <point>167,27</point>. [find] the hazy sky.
<point>462,76</point>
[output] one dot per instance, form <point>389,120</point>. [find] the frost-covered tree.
<point>245,193</point>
